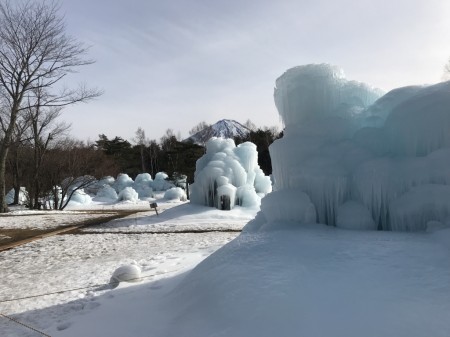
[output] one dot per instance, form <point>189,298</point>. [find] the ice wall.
<point>231,172</point>
<point>363,162</point>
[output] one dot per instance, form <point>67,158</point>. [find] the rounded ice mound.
<point>122,181</point>
<point>143,177</point>
<point>128,194</point>
<point>127,273</point>
<point>288,205</point>
<point>175,193</point>
<point>107,192</point>
<point>160,183</point>
<point>80,197</point>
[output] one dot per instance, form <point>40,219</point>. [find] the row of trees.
<point>36,54</point>
<point>172,155</point>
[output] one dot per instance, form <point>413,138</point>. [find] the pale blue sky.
<point>172,64</point>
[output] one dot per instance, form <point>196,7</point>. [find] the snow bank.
<point>229,172</point>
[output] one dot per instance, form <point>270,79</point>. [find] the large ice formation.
<point>229,175</point>
<point>361,161</point>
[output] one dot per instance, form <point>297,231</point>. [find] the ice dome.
<point>80,197</point>
<point>107,192</point>
<point>160,183</point>
<point>229,175</point>
<point>143,178</point>
<point>122,181</point>
<point>175,193</point>
<point>128,194</point>
<point>362,162</point>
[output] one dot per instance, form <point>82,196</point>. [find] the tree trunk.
<point>3,155</point>
<point>143,160</point>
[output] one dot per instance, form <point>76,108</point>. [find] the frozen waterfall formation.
<point>229,175</point>
<point>351,159</point>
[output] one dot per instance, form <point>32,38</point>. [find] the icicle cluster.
<point>229,172</point>
<point>362,163</point>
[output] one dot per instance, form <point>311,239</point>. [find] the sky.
<point>175,63</point>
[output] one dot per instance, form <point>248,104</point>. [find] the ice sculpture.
<point>362,162</point>
<point>229,175</point>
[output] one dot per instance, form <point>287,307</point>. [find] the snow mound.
<point>175,193</point>
<point>143,178</point>
<point>128,194</point>
<point>122,181</point>
<point>127,273</point>
<point>80,197</point>
<point>107,192</point>
<point>160,183</point>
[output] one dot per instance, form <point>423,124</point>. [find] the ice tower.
<point>351,159</point>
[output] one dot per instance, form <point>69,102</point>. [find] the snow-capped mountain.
<point>225,128</point>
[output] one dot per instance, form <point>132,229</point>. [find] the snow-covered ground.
<point>79,261</point>
<point>315,280</point>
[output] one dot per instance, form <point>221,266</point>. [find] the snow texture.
<point>358,158</point>
<point>231,171</point>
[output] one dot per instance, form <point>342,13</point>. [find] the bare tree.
<point>35,54</point>
<point>43,130</point>
<point>250,125</point>
<point>199,127</point>
<point>446,75</point>
<point>142,142</point>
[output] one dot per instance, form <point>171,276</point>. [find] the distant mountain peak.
<point>225,128</point>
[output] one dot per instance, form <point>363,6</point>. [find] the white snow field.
<point>310,263</point>
<point>78,261</point>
